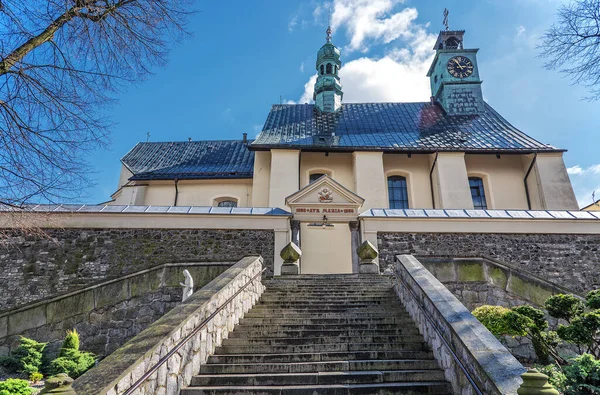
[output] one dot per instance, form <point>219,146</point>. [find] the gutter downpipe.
<point>431,179</point>
<point>176,192</point>
<point>533,161</point>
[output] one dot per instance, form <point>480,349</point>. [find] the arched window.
<point>452,43</point>
<point>314,177</point>
<point>227,203</point>
<point>397,192</point>
<point>322,70</point>
<point>477,193</point>
<point>328,68</point>
<point>335,69</point>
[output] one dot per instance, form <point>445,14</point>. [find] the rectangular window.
<point>477,193</point>
<point>397,192</point>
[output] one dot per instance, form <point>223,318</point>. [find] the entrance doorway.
<point>326,251</point>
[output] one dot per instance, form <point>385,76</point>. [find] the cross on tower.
<point>446,13</point>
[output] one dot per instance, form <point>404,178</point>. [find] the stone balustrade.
<point>450,329</point>
<point>119,371</point>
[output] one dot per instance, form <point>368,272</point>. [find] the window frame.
<point>406,194</point>
<point>483,192</point>
<point>217,201</point>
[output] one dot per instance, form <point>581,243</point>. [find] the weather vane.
<point>329,27</point>
<point>446,13</point>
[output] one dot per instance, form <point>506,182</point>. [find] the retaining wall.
<point>35,268</point>
<point>569,260</point>
<point>107,314</point>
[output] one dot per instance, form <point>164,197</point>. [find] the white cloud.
<point>302,67</point>
<point>397,76</point>
<point>292,23</point>
<point>585,182</point>
<point>373,20</point>
<point>520,30</point>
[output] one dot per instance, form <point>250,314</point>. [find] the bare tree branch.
<point>61,62</point>
<point>572,45</point>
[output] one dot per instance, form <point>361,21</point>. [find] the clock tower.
<point>454,75</point>
<point>328,89</point>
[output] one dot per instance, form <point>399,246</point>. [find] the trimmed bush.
<point>582,376</point>
<point>15,387</point>
<point>71,342</point>
<point>25,359</point>
<point>592,299</point>
<point>564,307</point>
<point>74,363</point>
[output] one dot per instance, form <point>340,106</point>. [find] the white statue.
<point>188,286</point>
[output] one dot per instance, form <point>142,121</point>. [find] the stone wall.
<point>572,261</point>
<point>200,317</point>
<point>34,268</point>
<point>105,315</point>
<point>454,334</point>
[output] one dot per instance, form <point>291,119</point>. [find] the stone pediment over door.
<point>325,197</point>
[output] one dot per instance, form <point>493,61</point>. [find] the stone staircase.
<point>329,334</point>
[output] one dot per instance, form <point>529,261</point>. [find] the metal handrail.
<point>439,332</point>
<point>164,359</point>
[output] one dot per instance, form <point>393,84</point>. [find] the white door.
<point>325,251</point>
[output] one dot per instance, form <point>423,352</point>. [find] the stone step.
<point>375,314</point>
<point>329,347</point>
<point>343,319</point>
<point>292,341</point>
<point>325,366</point>
<point>314,378</point>
<point>320,357</point>
<point>326,309</point>
<point>314,327</point>
<point>249,332</point>
<point>326,299</point>
<point>404,388</point>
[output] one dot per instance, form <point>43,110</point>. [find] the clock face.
<point>460,67</point>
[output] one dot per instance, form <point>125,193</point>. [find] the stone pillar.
<point>451,182</point>
<point>355,240</point>
<point>261,178</point>
<point>368,254</point>
<point>369,179</point>
<point>295,225</point>
<point>550,178</point>
<point>290,255</point>
<point>285,176</point>
<point>282,237</point>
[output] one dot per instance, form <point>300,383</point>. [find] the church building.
<point>330,161</point>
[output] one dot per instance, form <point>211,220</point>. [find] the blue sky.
<point>245,56</point>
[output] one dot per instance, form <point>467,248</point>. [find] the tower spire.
<point>328,89</point>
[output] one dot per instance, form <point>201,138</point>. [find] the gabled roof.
<point>190,160</point>
<point>391,127</point>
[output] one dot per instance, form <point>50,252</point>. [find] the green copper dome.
<point>328,89</point>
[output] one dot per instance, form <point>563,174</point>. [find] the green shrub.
<point>563,306</point>
<point>582,376</point>
<point>73,362</point>
<point>555,374</point>
<point>583,331</point>
<point>15,387</point>
<point>35,377</point>
<point>10,363</point>
<point>29,355</point>
<point>71,342</point>
<point>493,318</point>
<point>592,299</point>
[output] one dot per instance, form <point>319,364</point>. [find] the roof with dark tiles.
<point>190,160</point>
<point>391,127</point>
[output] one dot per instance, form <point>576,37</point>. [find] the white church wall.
<point>502,178</point>
<point>369,179</point>
<point>262,176</point>
<point>452,181</point>
<point>416,171</point>
<point>337,165</point>
<point>556,191</point>
<point>284,176</point>
<point>206,192</point>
